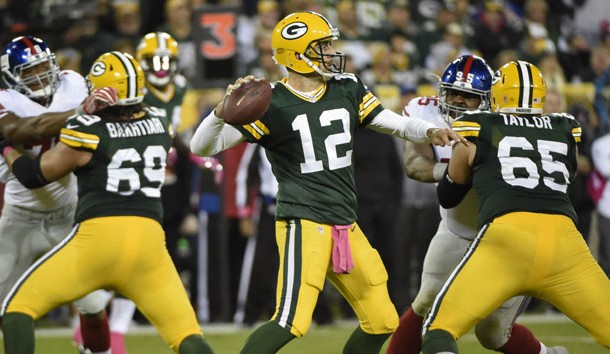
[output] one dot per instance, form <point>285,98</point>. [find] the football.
<point>247,103</point>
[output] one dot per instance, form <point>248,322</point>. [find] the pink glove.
<point>99,99</point>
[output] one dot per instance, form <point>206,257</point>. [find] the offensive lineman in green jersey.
<point>117,243</point>
<point>307,133</point>
<point>520,163</point>
<point>165,88</point>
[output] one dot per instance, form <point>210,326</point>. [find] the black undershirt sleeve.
<point>449,193</point>
<point>28,172</point>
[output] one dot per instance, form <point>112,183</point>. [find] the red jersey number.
<point>424,101</point>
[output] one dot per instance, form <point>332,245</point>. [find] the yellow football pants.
<point>541,255</point>
<point>126,254</point>
<point>305,262</point>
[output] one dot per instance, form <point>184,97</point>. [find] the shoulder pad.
<point>78,132</point>
<point>468,125</point>
<point>180,80</point>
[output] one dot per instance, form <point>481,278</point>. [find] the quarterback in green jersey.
<point>520,163</point>
<point>307,133</point>
<point>117,243</point>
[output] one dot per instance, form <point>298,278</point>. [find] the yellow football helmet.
<point>158,52</point>
<point>297,44</point>
<point>121,71</point>
<point>518,87</point>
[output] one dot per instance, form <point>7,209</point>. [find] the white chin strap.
<point>326,76</point>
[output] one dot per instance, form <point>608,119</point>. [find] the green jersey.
<point>309,143</point>
<point>127,169</point>
<point>522,162</point>
<point>170,101</point>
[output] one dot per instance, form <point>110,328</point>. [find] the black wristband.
<point>449,193</point>
<point>28,172</point>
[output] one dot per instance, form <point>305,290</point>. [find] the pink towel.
<point>342,255</point>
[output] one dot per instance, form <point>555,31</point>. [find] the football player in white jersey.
<point>464,86</point>
<point>34,221</point>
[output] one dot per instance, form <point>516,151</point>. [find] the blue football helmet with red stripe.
<point>468,76</point>
<point>29,67</point>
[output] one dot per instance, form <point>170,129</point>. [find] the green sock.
<point>195,344</point>
<point>18,331</point>
<point>268,338</point>
<point>361,342</point>
<point>437,341</point>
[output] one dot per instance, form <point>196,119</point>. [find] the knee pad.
<point>491,333</point>
<point>494,330</point>
<point>93,302</point>
<point>425,297</point>
<point>7,268</point>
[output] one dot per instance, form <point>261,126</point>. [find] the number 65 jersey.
<point>530,161</point>
<point>126,172</point>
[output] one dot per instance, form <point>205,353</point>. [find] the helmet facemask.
<point>37,79</point>
<point>159,69</point>
<point>452,111</point>
<point>315,57</point>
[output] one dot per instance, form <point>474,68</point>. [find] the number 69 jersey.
<point>522,162</point>
<point>126,172</point>
<point>309,143</point>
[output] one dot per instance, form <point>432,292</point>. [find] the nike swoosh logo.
<point>70,126</point>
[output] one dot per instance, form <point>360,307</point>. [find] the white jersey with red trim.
<point>71,92</point>
<point>461,220</point>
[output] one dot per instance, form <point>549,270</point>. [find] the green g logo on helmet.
<point>294,30</point>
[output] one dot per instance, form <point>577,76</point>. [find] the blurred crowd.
<point>399,48</point>
<point>396,46</point>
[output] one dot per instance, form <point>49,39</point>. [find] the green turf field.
<point>552,330</point>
